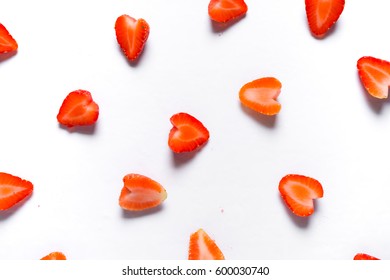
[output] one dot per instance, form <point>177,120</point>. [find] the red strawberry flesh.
<point>78,109</point>
<point>131,35</point>
<point>298,192</point>
<point>226,10</point>
<point>13,190</point>
<point>140,193</point>
<point>260,95</point>
<point>202,247</point>
<point>7,42</point>
<point>362,256</point>
<point>187,134</point>
<point>374,74</point>
<point>323,14</point>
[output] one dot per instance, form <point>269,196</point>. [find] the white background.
<point>328,129</point>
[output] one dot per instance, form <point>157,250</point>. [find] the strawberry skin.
<point>260,95</point>
<point>54,256</point>
<point>13,190</point>
<point>187,133</point>
<point>226,10</point>
<point>374,74</point>
<point>323,14</point>
<point>202,247</point>
<point>140,193</point>
<point>298,192</point>
<point>7,42</point>
<point>78,109</point>
<point>131,35</point>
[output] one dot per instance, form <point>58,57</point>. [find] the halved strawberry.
<point>260,95</point>
<point>187,134</point>
<point>55,256</point>
<point>131,35</point>
<point>226,10</point>
<point>13,190</point>
<point>362,257</point>
<point>298,192</point>
<point>323,14</point>
<point>140,193</point>
<point>78,108</point>
<point>7,42</point>
<point>202,247</point>
<point>375,75</point>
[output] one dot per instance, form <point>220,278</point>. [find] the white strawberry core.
<point>204,252</point>
<point>300,193</point>
<point>262,94</point>
<point>141,194</point>
<point>131,34</point>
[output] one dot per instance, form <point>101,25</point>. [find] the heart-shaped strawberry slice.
<point>374,74</point>
<point>13,190</point>
<point>187,134</point>
<point>322,15</point>
<point>202,247</point>
<point>226,10</point>
<point>140,192</point>
<point>131,35</point>
<point>78,108</point>
<point>7,42</point>
<point>260,95</point>
<point>298,192</point>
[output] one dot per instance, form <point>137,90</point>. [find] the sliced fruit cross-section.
<point>54,256</point>
<point>375,75</point>
<point>298,192</point>
<point>202,247</point>
<point>131,35</point>
<point>140,192</point>
<point>323,14</point>
<point>13,190</point>
<point>226,10</point>
<point>7,42</point>
<point>364,257</point>
<point>78,109</point>
<point>187,134</point>
<point>260,95</point>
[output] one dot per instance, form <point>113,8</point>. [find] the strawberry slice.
<point>131,35</point>
<point>13,190</point>
<point>7,42</point>
<point>202,247</point>
<point>323,14</point>
<point>226,10</point>
<point>298,193</point>
<point>187,134</point>
<point>375,75</point>
<point>260,95</point>
<point>364,257</point>
<point>140,192</point>
<point>78,108</point>
<point>55,256</point>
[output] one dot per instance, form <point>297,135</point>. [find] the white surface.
<point>328,129</point>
